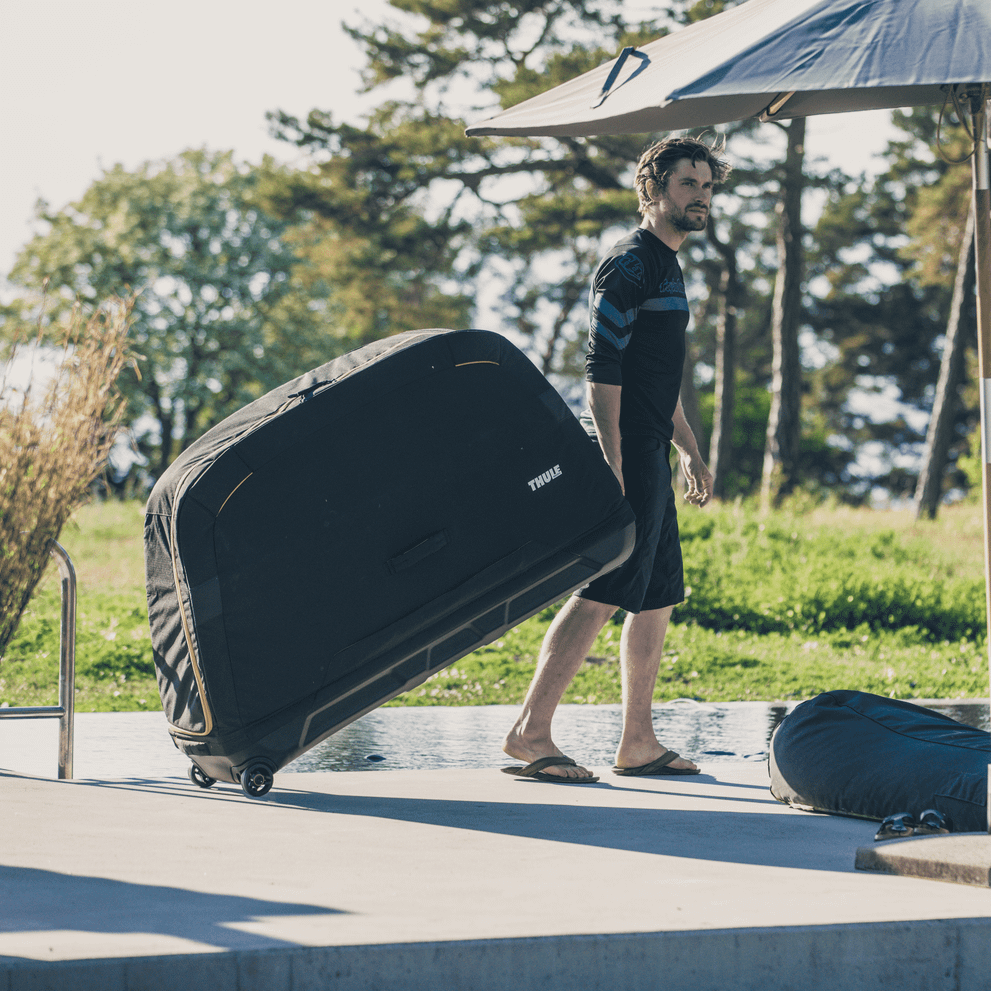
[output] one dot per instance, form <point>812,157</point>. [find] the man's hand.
<point>699,480</point>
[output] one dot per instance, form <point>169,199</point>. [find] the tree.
<point>525,216</point>
<point>943,223</point>
<point>781,457</point>
<point>521,223</point>
<point>887,250</point>
<point>221,315</point>
<point>929,490</point>
<point>724,400</point>
<point>390,267</point>
<point>529,216</point>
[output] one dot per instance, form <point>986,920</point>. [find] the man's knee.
<point>590,610</point>
<point>648,618</point>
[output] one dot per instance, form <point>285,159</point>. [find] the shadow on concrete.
<point>772,839</point>
<point>761,838</point>
<point>33,900</point>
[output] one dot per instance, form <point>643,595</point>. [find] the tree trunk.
<point>930,487</point>
<point>780,474</point>
<point>730,297</point>
<point>693,414</point>
<point>690,400</point>
<point>166,425</point>
<point>571,294</point>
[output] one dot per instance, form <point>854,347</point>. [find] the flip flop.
<point>536,771</point>
<point>656,767</point>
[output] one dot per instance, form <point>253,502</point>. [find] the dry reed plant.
<point>54,444</point>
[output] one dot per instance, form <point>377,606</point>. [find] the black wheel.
<point>198,778</point>
<point>256,780</point>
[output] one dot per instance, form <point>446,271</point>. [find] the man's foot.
<point>537,771</point>
<point>657,768</point>
<point>529,751</point>
<point>636,758</point>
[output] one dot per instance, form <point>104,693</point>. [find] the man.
<point>638,318</point>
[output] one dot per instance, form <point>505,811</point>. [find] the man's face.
<point>685,202</point>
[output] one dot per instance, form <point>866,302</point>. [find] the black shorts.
<point>652,576</point>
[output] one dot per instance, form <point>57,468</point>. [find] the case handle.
<point>418,552</point>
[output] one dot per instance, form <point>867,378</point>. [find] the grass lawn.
<point>781,608</point>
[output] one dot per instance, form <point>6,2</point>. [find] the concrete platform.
<point>461,879</point>
<point>962,858</point>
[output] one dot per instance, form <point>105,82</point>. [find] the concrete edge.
<point>927,955</point>
<point>960,858</point>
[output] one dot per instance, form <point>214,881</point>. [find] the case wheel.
<point>256,780</point>
<point>198,778</point>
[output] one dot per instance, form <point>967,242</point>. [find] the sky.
<point>90,83</point>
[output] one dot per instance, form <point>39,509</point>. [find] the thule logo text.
<point>547,476</point>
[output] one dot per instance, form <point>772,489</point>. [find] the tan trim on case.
<point>207,714</point>
<point>463,363</point>
<point>236,487</point>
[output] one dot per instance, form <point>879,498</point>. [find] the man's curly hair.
<point>659,161</point>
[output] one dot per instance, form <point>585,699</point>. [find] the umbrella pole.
<point>982,240</point>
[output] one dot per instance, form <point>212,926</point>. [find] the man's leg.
<point>562,653</point>
<point>641,647</point>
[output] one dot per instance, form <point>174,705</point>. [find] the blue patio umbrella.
<point>776,59</point>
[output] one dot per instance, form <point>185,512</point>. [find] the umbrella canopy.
<point>777,58</point>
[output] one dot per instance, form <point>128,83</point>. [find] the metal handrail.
<point>66,709</point>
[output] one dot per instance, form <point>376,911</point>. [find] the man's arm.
<point>603,401</point>
<point>696,473</point>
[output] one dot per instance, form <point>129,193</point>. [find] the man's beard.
<point>687,222</point>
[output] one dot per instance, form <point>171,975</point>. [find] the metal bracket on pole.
<point>66,708</point>
<point>614,72</point>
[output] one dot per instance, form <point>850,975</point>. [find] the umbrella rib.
<point>774,107</point>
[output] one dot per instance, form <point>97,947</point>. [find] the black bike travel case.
<point>346,535</point>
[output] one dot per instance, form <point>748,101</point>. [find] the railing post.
<point>66,708</point>
<point>67,661</point>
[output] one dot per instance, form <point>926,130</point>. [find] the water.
<point>439,736</point>
<point>137,744</point>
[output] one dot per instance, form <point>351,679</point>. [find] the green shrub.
<point>782,573</point>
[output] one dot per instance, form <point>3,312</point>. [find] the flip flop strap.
<point>653,766</point>
<point>538,765</point>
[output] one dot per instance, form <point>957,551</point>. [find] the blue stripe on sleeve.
<point>665,303</point>
<point>618,319</point>
<point>601,330</point>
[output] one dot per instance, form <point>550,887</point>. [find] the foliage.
<point>751,408</point>
<point>885,254</point>
<point>115,671</point>
<point>221,313</point>
<point>52,446</point>
<point>971,464</point>
<point>889,564</point>
<point>518,221</point>
<point>724,666</point>
<point>519,224</point>
<point>815,579</point>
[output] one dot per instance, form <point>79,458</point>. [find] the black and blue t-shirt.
<point>638,315</point>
